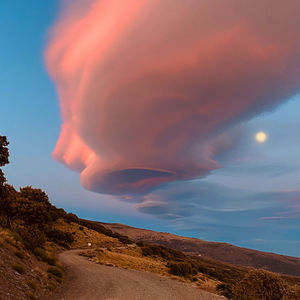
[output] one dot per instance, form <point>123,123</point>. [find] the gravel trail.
<point>86,280</point>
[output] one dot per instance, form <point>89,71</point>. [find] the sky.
<point>146,114</point>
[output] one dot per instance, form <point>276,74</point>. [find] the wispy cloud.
<point>290,207</point>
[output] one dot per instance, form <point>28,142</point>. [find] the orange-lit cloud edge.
<point>150,91</point>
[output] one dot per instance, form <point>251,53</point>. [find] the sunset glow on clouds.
<point>153,91</point>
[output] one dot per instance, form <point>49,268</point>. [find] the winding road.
<point>86,280</point>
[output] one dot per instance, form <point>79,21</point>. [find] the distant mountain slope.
<point>220,251</point>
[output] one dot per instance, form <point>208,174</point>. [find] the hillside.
<point>220,251</point>
<point>22,274</point>
<point>34,233</point>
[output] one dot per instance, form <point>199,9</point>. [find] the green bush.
<point>19,268</point>
<point>55,271</point>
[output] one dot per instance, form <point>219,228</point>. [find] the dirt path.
<point>89,281</point>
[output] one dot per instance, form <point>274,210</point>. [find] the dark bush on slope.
<point>60,237</point>
<point>30,215</point>
<point>162,251</point>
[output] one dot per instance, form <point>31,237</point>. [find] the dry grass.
<point>83,236</point>
<point>6,237</point>
<point>131,258</point>
<point>206,283</point>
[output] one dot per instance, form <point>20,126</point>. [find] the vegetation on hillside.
<point>31,216</point>
<point>260,284</point>
<point>238,283</point>
<point>34,221</point>
<point>36,229</point>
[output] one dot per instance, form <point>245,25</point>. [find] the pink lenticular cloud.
<point>148,89</point>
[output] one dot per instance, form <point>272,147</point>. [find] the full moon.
<point>261,137</point>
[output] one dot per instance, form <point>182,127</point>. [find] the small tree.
<point>36,195</point>
<point>4,154</point>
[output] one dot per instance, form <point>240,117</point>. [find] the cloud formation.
<point>210,211</point>
<point>149,90</point>
<point>199,198</point>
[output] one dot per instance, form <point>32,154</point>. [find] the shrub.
<point>58,279</point>
<point>181,269</point>
<point>29,211</point>
<point>221,272</point>
<point>19,268</point>
<point>71,218</point>
<point>60,237</point>
<point>56,213</point>
<point>146,251</point>
<point>41,254</point>
<point>30,295</point>
<point>122,238</point>
<point>225,289</point>
<point>4,222</point>
<point>51,260</point>
<point>163,252</point>
<point>36,195</point>
<point>293,292</point>
<point>16,236</point>
<point>32,237</point>
<point>51,286</point>
<point>259,284</point>
<point>55,271</point>
<point>19,254</point>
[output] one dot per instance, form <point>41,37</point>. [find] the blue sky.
<point>252,201</point>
